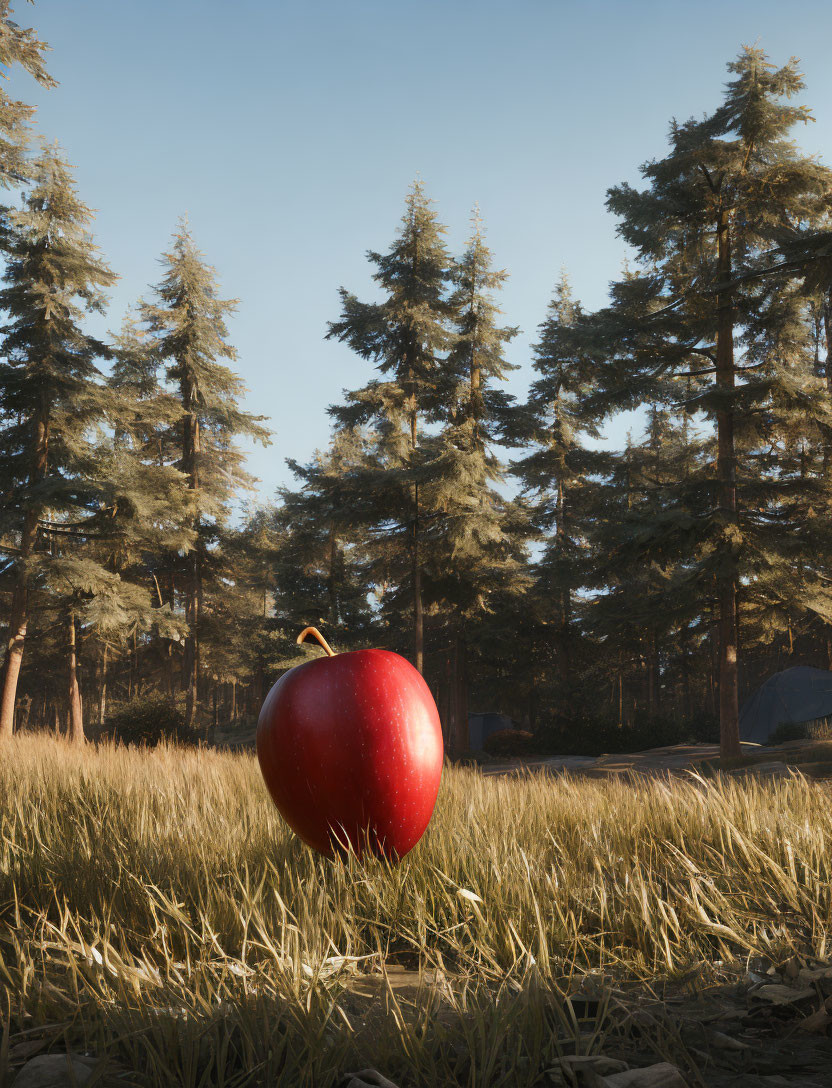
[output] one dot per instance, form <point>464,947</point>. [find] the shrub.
<point>510,742</point>
<point>819,729</point>
<point>149,719</point>
<point>787,731</point>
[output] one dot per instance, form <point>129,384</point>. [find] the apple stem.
<point>314,631</point>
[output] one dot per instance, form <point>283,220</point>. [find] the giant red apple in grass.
<point>350,747</point>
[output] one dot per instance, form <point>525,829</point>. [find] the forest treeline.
<point>519,563</point>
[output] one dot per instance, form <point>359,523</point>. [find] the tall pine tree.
<point>406,335</point>
<point>712,209</point>
<point>187,320</point>
<point>17,47</point>
<point>476,546</point>
<point>50,393</point>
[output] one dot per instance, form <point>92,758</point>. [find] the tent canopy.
<point>481,726</point>
<point>799,694</point>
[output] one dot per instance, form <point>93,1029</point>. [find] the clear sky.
<point>290,132</point>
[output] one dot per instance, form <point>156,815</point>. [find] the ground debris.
<point>662,1075</point>
<point>366,1078</point>
<point>779,994</point>
<point>55,1071</point>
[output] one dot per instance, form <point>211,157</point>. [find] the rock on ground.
<point>55,1071</point>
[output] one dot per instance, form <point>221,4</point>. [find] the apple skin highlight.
<point>350,747</point>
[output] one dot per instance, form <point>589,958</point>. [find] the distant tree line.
<point>520,564</point>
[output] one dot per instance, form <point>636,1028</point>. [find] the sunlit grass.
<point>154,904</point>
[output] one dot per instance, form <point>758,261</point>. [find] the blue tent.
<point>799,694</point>
<point>481,726</point>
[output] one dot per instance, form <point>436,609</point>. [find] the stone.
<point>792,968</point>
<point>722,1041</point>
<point>808,975</point>
<point>55,1071</point>
<point>778,994</point>
<point>596,1062</point>
<point>663,1075</point>
<point>366,1078</point>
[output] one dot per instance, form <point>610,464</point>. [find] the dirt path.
<point>812,758</point>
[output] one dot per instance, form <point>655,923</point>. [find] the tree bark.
<point>332,586</point>
<point>418,617</point>
<point>76,720</point>
<point>651,677</point>
<point>102,703</point>
<point>190,466</point>
<point>19,617</point>
<point>827,445</point>
<point>459,696</point>
<point>564,654</point>
<point>447,715</point>
<point>686,699</point>
<point>729,736</point>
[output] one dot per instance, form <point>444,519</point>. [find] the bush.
<point>787,731</point>
<point>819,729</point>
<point>149,719</point>
<point>510,742</point>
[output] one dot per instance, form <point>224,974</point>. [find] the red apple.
<point>350,747</point>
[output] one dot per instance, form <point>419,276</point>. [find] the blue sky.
<point>290,132</point>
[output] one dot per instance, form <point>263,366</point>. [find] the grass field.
<point>155,909</point>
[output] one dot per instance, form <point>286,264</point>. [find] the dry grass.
<point>153,906</point>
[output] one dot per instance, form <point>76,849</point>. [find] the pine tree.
<point>645,603</point>
<point>475,547</point>
<point>21,47</point>
<point>712,210</point>
<point>245,615</point>
<point>321,575</point>
<point>143,455</point>
<point>406,335</point>
<point>50,395</point>
<point>188,323</point>
<point>559,473</point>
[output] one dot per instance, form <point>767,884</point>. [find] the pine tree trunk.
<point>651,678</point>
<point>25,712</point>
<point>102,702</point>
<point>564,653</point>
<point>19,617</point>
<point>686,699</point>
<point>76,721</point>
<point>18,622</point>
<point>827,445</point>
<point>459,696</point>
<point>332,586</point>
<point>190,466</point>
<point>729,735</point>
<point>447,715</point>
<point>169,664</point>
<point>418,618</point>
